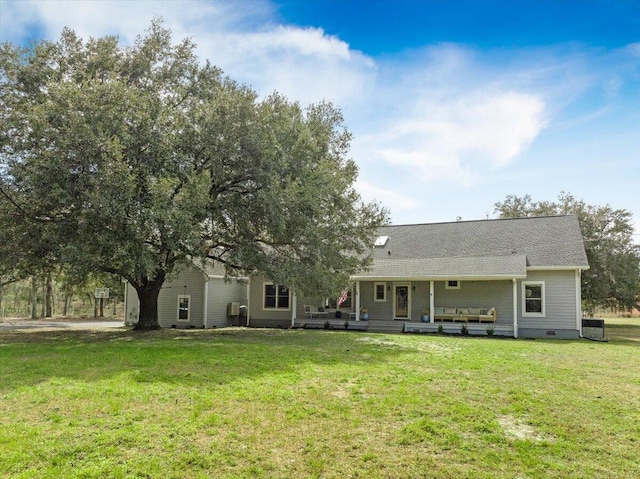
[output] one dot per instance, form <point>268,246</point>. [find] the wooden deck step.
<point>378,326</point>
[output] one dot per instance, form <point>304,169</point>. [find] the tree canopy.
<point>134,160</point>
<point>613,279</point>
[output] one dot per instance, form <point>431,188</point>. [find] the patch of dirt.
<point>517,429</point>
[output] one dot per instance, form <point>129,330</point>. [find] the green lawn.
<point>279,404</point>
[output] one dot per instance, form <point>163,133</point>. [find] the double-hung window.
<point>184,310</point>
<point>276,296</point>
<point>533,303</point>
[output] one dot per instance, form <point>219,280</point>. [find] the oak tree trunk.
<point>49,298</point>
<point>34,298</point>
<point>148,297</point>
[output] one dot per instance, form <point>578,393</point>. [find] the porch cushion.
<point>440,310</point>
<point>449,310</point>
<point>463,310</point>
<point>474,310</point>
<point>484,311</point>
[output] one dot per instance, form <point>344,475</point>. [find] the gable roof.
<point>479,249</point>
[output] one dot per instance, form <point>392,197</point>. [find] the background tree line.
<point>58,295</point>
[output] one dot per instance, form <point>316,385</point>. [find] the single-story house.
<point>516,277</point>
<point>198,297</point>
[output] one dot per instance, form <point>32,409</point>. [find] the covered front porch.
<point>476,296</point>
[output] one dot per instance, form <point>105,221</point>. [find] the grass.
<point>278,403</point>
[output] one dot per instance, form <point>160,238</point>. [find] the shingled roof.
<point>479,249</point>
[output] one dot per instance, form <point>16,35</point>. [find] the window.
<point>276,296</point>
<point>533,298</point>
<point>452,284</point>
<point>380,292</point>
<point>184,301</point>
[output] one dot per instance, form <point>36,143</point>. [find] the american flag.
<point>343,297</point>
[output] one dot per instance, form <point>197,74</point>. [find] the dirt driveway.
<point>58,324</point>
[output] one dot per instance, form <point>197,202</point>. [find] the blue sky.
<point>453,104</point>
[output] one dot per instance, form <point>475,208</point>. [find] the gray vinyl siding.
<point>560,304</point>
<point>381,310</point>
<point>132,305</point>
<point>220,294</point>
<point>257,310</point>
<point>478,294</point>
<point>190,281</point>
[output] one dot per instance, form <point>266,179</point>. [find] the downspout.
<point>206,303</point>
<point>432,303</point>
<point>579,301</point>
<point>357,301</point>
<point>515,308</point>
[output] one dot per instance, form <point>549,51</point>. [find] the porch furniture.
<point>312,312</point>
<point>481,315</point>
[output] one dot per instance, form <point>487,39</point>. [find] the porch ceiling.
<point>471,268</point>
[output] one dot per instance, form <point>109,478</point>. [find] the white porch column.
<point>294,304</point>
<point>432,303</point>
<point>579,301</point>
<point>206,303</point>
<point>357,300</point>
<point>515,308</point>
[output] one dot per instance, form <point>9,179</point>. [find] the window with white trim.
<point>380,292</point>
<point>184,307</point>
<point>452,284</point>
<point>533,303</point>
<point>276,296</point>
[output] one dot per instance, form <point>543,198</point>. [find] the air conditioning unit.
<point>233,309</point>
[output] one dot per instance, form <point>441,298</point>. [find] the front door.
<point>402,301</point>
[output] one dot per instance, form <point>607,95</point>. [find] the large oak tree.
<point>135,160</point>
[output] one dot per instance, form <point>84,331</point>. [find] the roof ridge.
<point>480,220</point>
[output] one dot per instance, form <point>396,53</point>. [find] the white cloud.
<point>397,202</point>
<point>452,120</point>
<point>305,64</point>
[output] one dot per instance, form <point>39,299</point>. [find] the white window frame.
<point>448,286</point>
<point>543,300</point>
<point>188,298</point>
<point>264,295</point>
<point>384,292</point>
